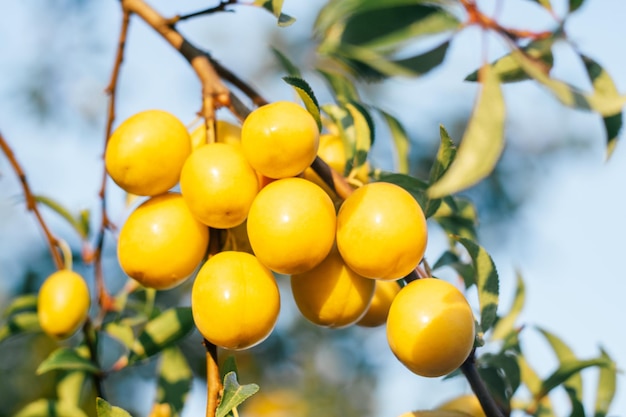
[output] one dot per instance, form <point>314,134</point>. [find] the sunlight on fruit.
<point>63,304</point>
<point>430,327</point>
<point>235,300</point>
<point>467,403</point>
<point>161,243</point>
<point>377,312</point>
<point>226,133</point>
<point>146,152</point>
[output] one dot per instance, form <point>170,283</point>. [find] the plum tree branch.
<point>31,203</point>
<point>221,7</point>
<point>214,384</point>
<point>481,391</point>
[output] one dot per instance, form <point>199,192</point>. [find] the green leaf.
<point>19,323</point>
<point>307,96</point>
<point>506,364</point>
<point>229,365</point>
<point>450,259</point>
<point>400,140</point>
<point>341,85</point>
<point>607,382</point>
<point>77,222</point>
<point>603,84</point>
<point>509,69</point>
<point>286,63</point>
<point>487,282</point>
<point>50,408</point>
<point>482,143</point>
<point>162,332</point>
<point>121,332</point>
<point>414,186</point>
<point>234,394</point>
<point>364,137</point>
<point>175,378</point>
<point>70,387</point>
<point>575,5</point>
<point>605,103</point>
<point>344,123</point>
<point>565,371</point>
<point>545,3</point>
<point>275,7</point>
<point>67,359</point>
<point>506,324</point>
<point>104,409</point>
<point>457,217</point>
<point>21,304</point>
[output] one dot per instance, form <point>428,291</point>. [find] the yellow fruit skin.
<point>235,300</point>
<point>146,152</point>
<point>467,403</point>
<point>434,413</point>
<point>331,294</point>
<point>63,304</point>
<point>280,139</point>
<point>291,225</point>
<point>377,312</point>
<point>226,133</point>
<point>430,327</point>
<point>218,185</point>
<point>381,231</point>
<point>333,152</point>
<point>161,243</point>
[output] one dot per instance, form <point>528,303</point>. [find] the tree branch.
<point>481,391</point>
<point>214,384</point>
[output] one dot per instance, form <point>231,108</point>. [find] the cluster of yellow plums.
<point>254,185</point>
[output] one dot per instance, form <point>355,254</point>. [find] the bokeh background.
<point>553,209</point>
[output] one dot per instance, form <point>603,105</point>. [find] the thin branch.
<point>221,7</point>
<point>214,384</point>
<point>481,391</point>
<point>331,177</point>
<point>243,86</point>
<point>31,204</point>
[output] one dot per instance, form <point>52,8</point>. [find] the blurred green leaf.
<point>575,5</point>
<point>175,378</point>
<point>505,362</point>
<point>603,84</point>
<point>70,387</point>
<point>545,3</point>
<point>340,84</point>
<point>286,64</point>
<point>565,371</point>
<point>482,143</point>
<point>364,135</point>
<point>104,409</point>
<point>162,332</point>
<point>400,140</point>
<point>229,365</point>
<point>345,125</point>
<point>122,332</point>
<point>234,394</point>
<point>19,323</point>
<point>307,96</point>
<point>607,382</point>
<point>505,325</point>
<point>496,383</point>
<point>487,282</point>
<point>67,359</point>
<point>509,69</point>
<point>50,408</point>
<point>457,216</point>
<point>21,304</point>
<point>77,222</point>
<point>599,101</point>
<point>275,7</point>
<point>450,259</point>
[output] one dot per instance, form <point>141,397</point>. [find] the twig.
<point>221,7</point>
<point>91,341</point>
<point>331,177</point>
<point>485,398</point>
<point>243,86</point>
<point>214,384</point>
<point>31,204</point>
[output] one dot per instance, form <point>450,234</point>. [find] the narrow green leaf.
<point>411,184</point>
<point>445,155</point>
<point>545,3</point>
<point>75,221</point>
<point>607,382</point>
<point>70,387</point>
<point>506,324</point>
<point>50,408</point>
<point>175,378</point>
<point>450,259</point>
<point>603,84</point>
<point>21,304</point>
<point>234,394</point>
<point>565,371</point>
<point>364,134</point>
<point>307,96</point>
<point>229,365</point>
<point>67,359</point>
<point>457,217</point>
<point>341,85</point>
<point>286,64</point>
<point>400,140</point>
<point>104,409</point>
<point>19,323</point>
<point>482,143</point>
<point>275,7</point>
<point>162,332</point>
<point>599,101</point>
<point>575,5</point>
<point>121,332</point>
<point>487,282</point>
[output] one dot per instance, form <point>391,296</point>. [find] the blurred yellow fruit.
<point>381,231</point>
<point>291,225</point>
<point>146,152</point>
<point>280,139</point>
<point>63,304</point>
<point>333,152</point>
<point>377,312</point>
<point>430,327</point>
<point>434,413</point>
<point>218,185</point>
<point>235,300</point>
<point>161,410</point>
<point>467,403</point>
<point>226,133</point>
<point>331,294</point>
<point>161,243</point>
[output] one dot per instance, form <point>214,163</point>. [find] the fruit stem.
<point>481,391</point>
<point>331,177</point>
<point>214,384</point>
